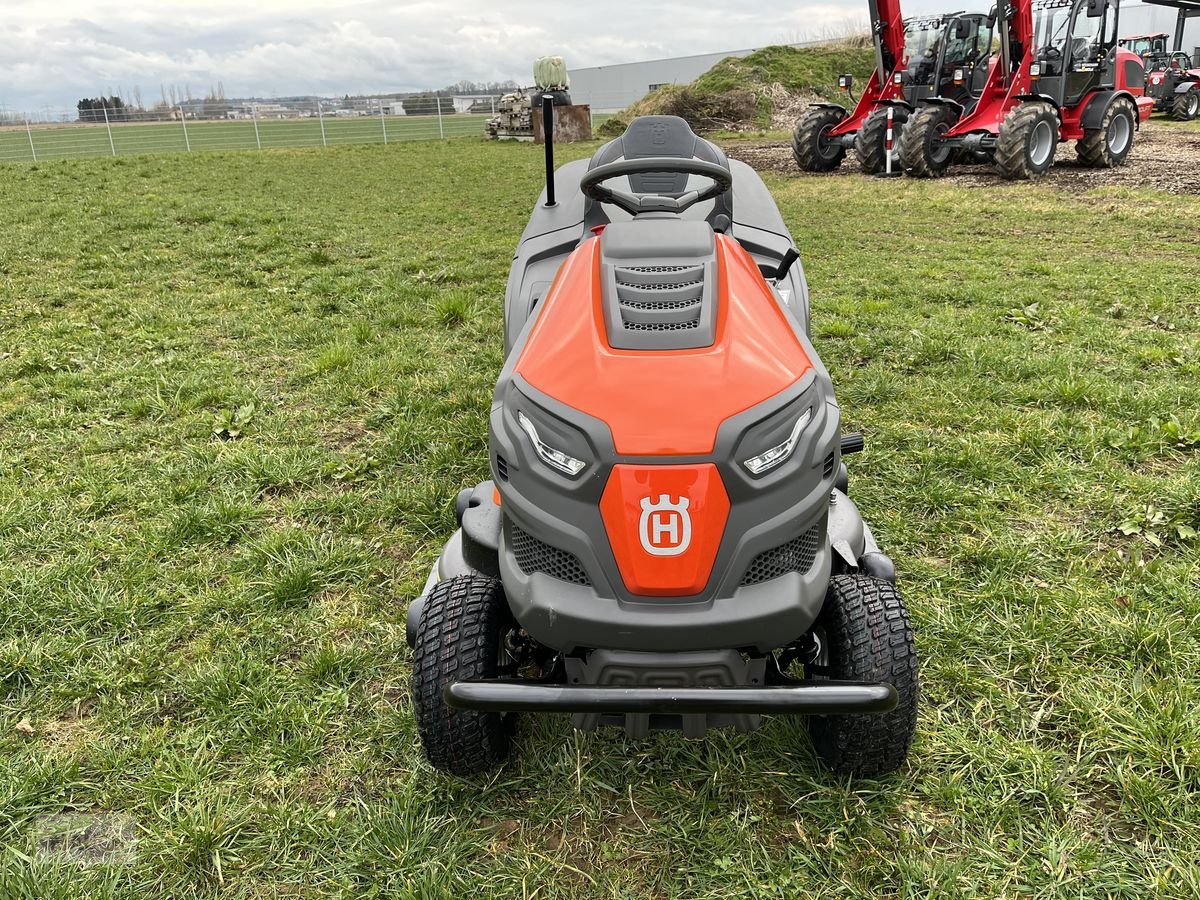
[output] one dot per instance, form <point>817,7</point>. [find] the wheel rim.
<point>1041,143</point>
<point>938,151</point>
<point>1120,133</point>
<point>826,149</point>
<point>1193,104</point>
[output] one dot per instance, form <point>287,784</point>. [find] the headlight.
<point>555,459</point>
<point>781,453</point>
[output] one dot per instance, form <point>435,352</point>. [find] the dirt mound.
<point>770,88</point>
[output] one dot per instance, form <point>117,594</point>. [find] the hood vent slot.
<point>660,298</point>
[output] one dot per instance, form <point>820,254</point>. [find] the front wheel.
<point>867,638</point>
<point>1028,141</point>
<point>871,142</point>
<point>1108,146</point>
<point>922,146</point>
<point>812,147</point>
<point>461,637</point>
<point>1186,106</point>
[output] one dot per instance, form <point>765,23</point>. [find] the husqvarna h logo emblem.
<point>665,527</point>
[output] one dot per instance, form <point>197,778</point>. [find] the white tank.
<point>550,73</point>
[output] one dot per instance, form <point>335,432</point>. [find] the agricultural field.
<point>239,392</point>
<point>78,140</point>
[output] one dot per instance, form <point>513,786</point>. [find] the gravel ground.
<point>1166,157</point>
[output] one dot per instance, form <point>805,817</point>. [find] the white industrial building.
<point>612,88</point>
<point>1142,18</point>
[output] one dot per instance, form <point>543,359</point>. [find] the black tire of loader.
<point>869,638</point>
<point>459,638</point>
<point>808,149</point>
<point>871,142</point>
<point>1094,149</point>
<point>1013,151</point>
<point>917,144</point>
<point>1186,106</point>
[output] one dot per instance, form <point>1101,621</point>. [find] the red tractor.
<point>916,58</point>
<point>1172,81</point>
<point>1059,76</point>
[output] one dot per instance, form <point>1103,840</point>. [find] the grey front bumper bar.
<point>823,698</point>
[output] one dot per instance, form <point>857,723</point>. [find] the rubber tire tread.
<point>870,144</point>
<point>869,639</point>
<point>1012,158</point>
<point>915,139</point>
<point>458,640</point>
<point>806,138</point>
<point>1093,147</point>
<point>1182,109</point>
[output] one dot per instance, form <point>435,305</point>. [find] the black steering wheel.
<point>592,184</point>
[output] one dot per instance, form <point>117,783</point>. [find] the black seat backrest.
<point>651,136</point>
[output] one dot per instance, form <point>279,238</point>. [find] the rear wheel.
<point>461,637</point>
<point>922,146</point>
<point>812,147</point>
<point>1108,146</point>
<point>1186,107</point>
<point>1028,141</point>
<point>868,638</point>
<point>871,142</point>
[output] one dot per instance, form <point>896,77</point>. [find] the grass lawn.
<point>238,393</point>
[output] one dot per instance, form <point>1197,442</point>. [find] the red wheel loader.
<point>1172,77</point>
<point>1059,76</point>
<point>916,58</point>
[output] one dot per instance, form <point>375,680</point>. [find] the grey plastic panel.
<point>658,278</point>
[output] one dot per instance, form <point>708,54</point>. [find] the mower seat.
<point>658,136</point>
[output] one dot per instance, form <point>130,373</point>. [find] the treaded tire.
<point>1186,107</point>
<point>459,638</point>
<point>919,150</point>
<point>811,152</point>
<point>869,638</point>
<point>871,141</point>
<point>1014,150</point>
<point>1096,149</point>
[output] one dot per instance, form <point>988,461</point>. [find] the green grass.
<point>238,393</point>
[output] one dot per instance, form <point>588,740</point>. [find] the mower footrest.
<point>822,698</point>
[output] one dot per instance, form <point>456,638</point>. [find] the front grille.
<point>660,298</point>
<point>797,555</point>
<point>502,467</point>
<point>830,460</point>
<point>535,556</point>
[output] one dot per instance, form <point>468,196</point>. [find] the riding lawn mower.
<point>667,540</point>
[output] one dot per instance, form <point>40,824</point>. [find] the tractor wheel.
<point>1108,146</point>
<point>921,147</point>
<point>461,637</point>
<point>867,638</point>
<point>1028,141</point>
<point>871,142</point>
<point>811,146</point>
<point>1186,106</point>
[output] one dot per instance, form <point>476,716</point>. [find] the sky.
<point>57,51</point>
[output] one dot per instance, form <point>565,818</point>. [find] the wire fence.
<point>107,132</point>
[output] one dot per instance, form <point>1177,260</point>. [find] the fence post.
<point>29,131</point>
<point>321,116</point>
<point>441,129</point>
<point>254,116</point>
<point>187,141</point>
<point>493,105</point>
<point>383,123</point>
<point>108,125</point>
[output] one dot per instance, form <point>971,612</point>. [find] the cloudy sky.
<point>56,52</point>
